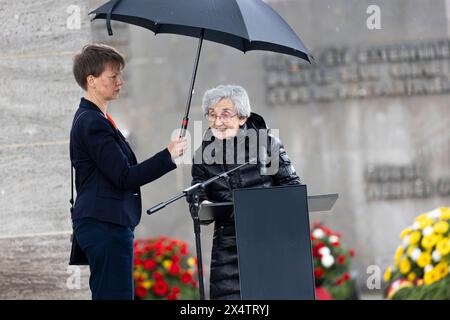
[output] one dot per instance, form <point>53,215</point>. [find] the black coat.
<point>224,281</point>
<point>107,175</point>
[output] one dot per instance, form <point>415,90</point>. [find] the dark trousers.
<point>109,249</point>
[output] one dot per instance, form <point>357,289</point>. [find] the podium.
<point>273,239</point>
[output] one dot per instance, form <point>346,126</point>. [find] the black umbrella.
<point>242,24</point>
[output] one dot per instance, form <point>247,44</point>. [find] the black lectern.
<point>273,240</point>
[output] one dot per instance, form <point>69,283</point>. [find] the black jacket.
<point>224,281</point>
<point>107,175</point>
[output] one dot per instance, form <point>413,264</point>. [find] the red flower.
<point>160,288</point>
<point>346,276</point>
<point>316,249</point>
<point>141,292</point>
<point>315,225</point>
<point>165,262</point>
<point>159,246</point>
<point>340,281</point>
<point>158,276</point>
<point>172,296</point>
<point>174,269</point>
<point>138,253</point>
<point>149,264</point>
<point>175,290</point>
<point>184,249</point>
<point>318,272</point>
<point>323,294</point>
<point>352,253</point>
<point>327,231</point>
<point>341,259</point>
<point>186,277</point>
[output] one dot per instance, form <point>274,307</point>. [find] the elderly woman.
<point>227,109</point>
<point>107,175</point>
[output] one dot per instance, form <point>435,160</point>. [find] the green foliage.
<point>439,290</point>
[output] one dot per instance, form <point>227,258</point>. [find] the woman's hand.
<point>177,147</point>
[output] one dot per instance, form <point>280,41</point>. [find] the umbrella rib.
<point>246,30</point>
<point>108,17</point>
<point>244,45</point>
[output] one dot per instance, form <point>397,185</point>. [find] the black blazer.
<point>107,175</point>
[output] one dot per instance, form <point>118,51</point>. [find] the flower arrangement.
<point>331,264</point>
<point>421,262</point>
<point>163,269</point>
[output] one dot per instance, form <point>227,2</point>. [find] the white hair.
<point>236,94</point>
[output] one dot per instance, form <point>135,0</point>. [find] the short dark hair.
<point>92,61</point>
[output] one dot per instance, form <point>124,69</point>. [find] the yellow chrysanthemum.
<point>405,232</point>
<point>412,276</point>
<point>426,223</point>
<point>421,217</point>
<point>191,262</point>
<point>442,269</point>
<point>424,259</point>
<point>387,274</point>
<point>398,253</point>
<point>147,284</point>
<point>443,246</point>
<point>410,250</point>
<point>429,241</point>
<point>167,264</point>
<point>441,227</point>
<point>415,237</point>
<point>405,266</point>
<point>445,213</point>
<point>430,277</point>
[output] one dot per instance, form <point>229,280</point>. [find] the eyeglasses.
<point>224,116</point>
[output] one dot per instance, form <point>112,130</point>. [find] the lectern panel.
<point>274,244</point>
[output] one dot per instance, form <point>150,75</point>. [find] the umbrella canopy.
<point>242,24</point>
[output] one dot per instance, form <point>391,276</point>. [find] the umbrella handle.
<point>185,121</point>
<point>184,125</point>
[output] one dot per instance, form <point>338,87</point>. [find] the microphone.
<point>190,189</point>
<point>155,208</point>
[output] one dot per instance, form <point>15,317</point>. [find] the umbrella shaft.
<point>191,88</point>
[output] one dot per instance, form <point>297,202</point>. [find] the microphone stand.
<point>196,220</point>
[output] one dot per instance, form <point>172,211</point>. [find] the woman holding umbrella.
<point>227,109</point>
<point>108,177</point>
